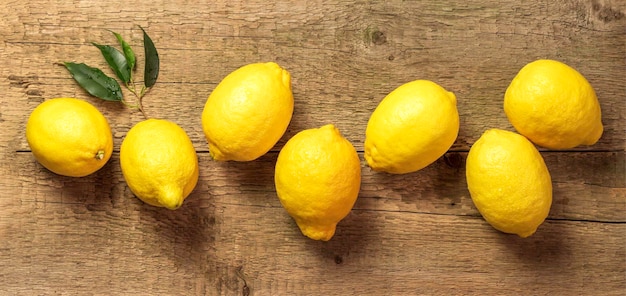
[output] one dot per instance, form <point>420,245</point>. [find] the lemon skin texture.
<point>248,112</point>
<point>509,182</point>
<point>317,179</point>
<point>411,128</point>
<point>554,106</point>
<point>69,137</point>
<point>159,163</point>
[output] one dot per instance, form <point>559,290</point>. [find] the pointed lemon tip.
<point>317,232</point>
<point>286,78</point>
<point>526,233</point>
<point>452,97</point>
<point>171,198</point>
<point>216,154</point>
<point>173,206</point>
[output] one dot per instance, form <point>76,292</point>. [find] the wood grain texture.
<point>344,58</point>
<point>413,234</point>
<point>416,233</point>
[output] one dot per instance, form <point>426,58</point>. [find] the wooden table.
<point>408,234</point>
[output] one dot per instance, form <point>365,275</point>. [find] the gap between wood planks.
<point>426,213</point>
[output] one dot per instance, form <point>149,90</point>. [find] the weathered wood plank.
<point>344,58</point>
<point>410,234</point>
<point>196,251</point>
<point>587,186</point>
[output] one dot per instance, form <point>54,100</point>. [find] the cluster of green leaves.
<point>124,64</point>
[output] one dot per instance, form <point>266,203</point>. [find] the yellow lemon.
<point>248,112</point>
<point>317,178</point>
<point>412,127</point>
<point>509,182</point>
<point>553,105</point>
<point>69,137</point>
<point>159,163</point>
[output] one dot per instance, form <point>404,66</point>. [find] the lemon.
<point>317,178</point>
<point>248,112</point>
<point>69,137</point>
<point>412,127</point>
<point>509,182</point>
<point>553,105</point>
<point>159,163</point>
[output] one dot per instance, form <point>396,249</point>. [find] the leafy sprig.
<point>124,64</point>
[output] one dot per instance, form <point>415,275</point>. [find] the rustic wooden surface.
<point>407,235</point>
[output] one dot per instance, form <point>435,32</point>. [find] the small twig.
<point>129,105</point>
<point>139,97</point>
<point>144,90</point>
<point>141,110</point>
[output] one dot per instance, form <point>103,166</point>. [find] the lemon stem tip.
<point>100,155</point>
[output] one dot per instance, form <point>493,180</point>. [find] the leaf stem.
<point>140,104</point>
<point>139,98</point>
<point>129,105</point>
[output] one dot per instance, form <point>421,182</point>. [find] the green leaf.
<point>95,82</point>
<point>116,60</point>
<point>151,70</point>
<point>128,52</point>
